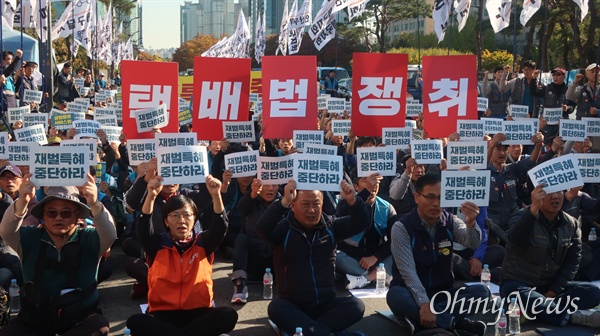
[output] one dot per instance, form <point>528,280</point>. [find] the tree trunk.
<point>566,48</point>
<point>545,39</point>
<point>529,45</point>
<point>577,40</point>
<point>588,55</point>
<point>478,36</point>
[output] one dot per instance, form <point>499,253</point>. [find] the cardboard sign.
<point>315,172</point>
<point>3,143</point>
<point>33,96</point>
<point>380,160</point>
<point>472,154</point>
<point>62,121</point>
<point>53,165</point>
<point>470,130</point>
<point>560,173</point>
<point>276,170</point>
<point>112,133</point>
<point>35,133</point>
<point>140,150</point>
<point>182,164</point>
<point>86,128</point>
<point>519,132</point>
<point>82,105</point>
<point>413,110</point>
<point>519,111</point>
<point>320,149</point>
<point>398,138</point>
<point>91,146</point>
<point>19,153</point>
<point>30,119</point>
<point>459,187</point>
<point>572,130</point>
<point>427,151</point>
<point>482,104</point>
<point>239,131</point>
<point>492,125</point>
<point>593,126</point>
<point>16,113</point>
<point>301,138</point>
<point>174,139</point>
<point>336,105</point>
<point>340,127</point>
<point>553,115</point>
<point>242,163</point>
<point>79,82</point>
<point>589,167</point>
<point>154,117</point>
<point>258,108</point>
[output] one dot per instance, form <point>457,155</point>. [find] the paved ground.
<point>117,305</point>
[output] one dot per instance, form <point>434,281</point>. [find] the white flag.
<point>260,43</point>
<point>583,6</point>
<point>530,7</point>
<point>77,20</point>
<point>302,17</point>
<point>8,13</point>
<point>462,11</point>
<point>34,15</point>
<point>356,8</point>
<point>441,13</point>
<point>295,40</point>
<point>321,19</point>
<point>241,38</point>
<point>283,31</point>
<point>326,34</point>
<point>499,13</point>
<point>339,5</point>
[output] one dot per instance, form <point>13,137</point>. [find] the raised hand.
<point>348,193</point>
<point>90,192</point>
<point>256,188</point>
<point>155,186</point>
<point>289,193</point>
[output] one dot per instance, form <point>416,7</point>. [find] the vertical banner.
<point>221,93</point>
<point>289,95</point>
<point>449,92</point>
<point>148,85</point>
<point>378,92</point>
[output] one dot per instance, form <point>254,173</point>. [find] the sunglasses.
<point>55,213</point>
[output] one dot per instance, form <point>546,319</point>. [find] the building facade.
<point>207,17</point>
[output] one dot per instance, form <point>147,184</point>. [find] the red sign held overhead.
<point>289,95</point>
<point>449,92</point>
<point>378,92</point>
<point>147,85</point>
<point>221,93</point>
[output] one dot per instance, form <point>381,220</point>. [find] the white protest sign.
<point>53,165</point>
<point>303,137</point>
<point>254,97</point>
<point>589,167</point>
<point>112,133</point>
<point>472,154</point>
<point>258,108</point>
<point>32,96</point>
<point>3,143</point>
<point>75,108</point>
<point>140,150</point>
<point>80,82</point>
<point>336,105</point>
<point>427,151</point>
<point>492,125</point>
<point>413,109</point>
<point>322,103</point>
<point>16,113</point>
<point>154,117</point>
<point>182,164</point>
<point>593,126</point>
<point>19,153</point>
<point>86,128</point>
<point>174,139</point>
<point>519,111</point>
<point>572,130</point>
<point>348,106</point>
<point>110,120</point>
<point>340,127</point>
<point>470,130</point>
<point>35,133</point>
<point>91,146</point>
<point>560,173</point>
<point>84,91</point>
<point>398,138</point>
<point>276,170</point>
<point>482,104</point>
<point>553,115</point>
<point>465,186</point>
<point>104,111</point>
<point>316,172</point>
<point>242,163</point>
<point>320,149</point>
<point>30,119</point>
<point>82,103</point>
<point>239,131</point>
<point>371,160</point>
<point>519,132</point>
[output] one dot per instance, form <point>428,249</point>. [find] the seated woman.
<point>180,296</point>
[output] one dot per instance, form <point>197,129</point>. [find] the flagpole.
<point>418,36</point>
<point>572,48</point>
<point>22,88</point>
<point>72,32</point>
<point>44,100</point>
<point>515,38</point>
<point>450,16</point>
<point>2,48</point>
<point>544,26</point>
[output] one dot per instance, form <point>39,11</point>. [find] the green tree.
<point>413,53</point>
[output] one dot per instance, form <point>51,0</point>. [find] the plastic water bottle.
<point>381,275</point>
<point>501,324</point>
<point>592,236</point>
<point>126,332</point>
<point>268,285</point>
<point>486,276</point>
<point>298,332</point>
<point>14,296</point>
<point>514,317</point>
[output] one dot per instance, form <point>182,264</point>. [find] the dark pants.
<point>494,255</point>
<point>197,322</point>
<point>552,311</point>
<point>250,258</point>
<point>319,320</point>
<point>93,325</point>
<point>137,269</point>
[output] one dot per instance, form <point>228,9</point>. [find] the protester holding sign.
<point>27,82</point>
<point>497,99</point>
<point>586,94</point>
<point>180,299</point>
<point>553,96</point>
<point>402,188</point>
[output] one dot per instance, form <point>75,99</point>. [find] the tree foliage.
<point>184,55</point>
<point>146,56</point>
<point>413,53</point>
<point>491,59</point>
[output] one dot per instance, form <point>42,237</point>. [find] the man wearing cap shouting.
<point>553,96</point>
<point>586,95</point>
<point>60,260</point>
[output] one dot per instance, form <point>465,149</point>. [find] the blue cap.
<point>13,281</point>
<point>486,266</point>
<point>268,270</point>
<point>298,330</point>
<point>381,265</point>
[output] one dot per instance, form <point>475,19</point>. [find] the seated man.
<point>542,256</point>
<point>60,260</point>
<point>304,255</point>
<point>422,249</point>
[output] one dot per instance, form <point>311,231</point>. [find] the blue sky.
<point>161,23</point>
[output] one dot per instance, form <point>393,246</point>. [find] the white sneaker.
<point>240,294</point>
<point>356,281</point>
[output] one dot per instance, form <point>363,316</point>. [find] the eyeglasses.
<point>308,206</point>
<point>55,213</point>
<point>431,198</point>
<point>175,216</point>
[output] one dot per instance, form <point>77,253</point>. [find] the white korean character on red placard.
<point>220,100</point>
<point>288,98</point>
<point>382,96</point>
<point>149,96</point>
<point>456,93</point>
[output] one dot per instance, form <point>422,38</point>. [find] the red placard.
<point>449,92</point>
<point>289,95</point>
<point>378,92</point>
<point>221,93</point>
<point>146,85</point>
